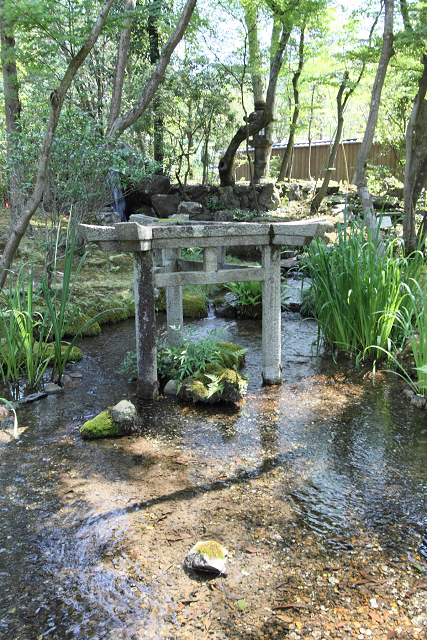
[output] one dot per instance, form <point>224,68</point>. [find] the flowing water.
<point>354,456</point>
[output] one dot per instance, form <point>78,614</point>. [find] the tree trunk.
<point>289,148</point>
<point>416,160</point>
<point>12,106</point>
<point>57,98</point>
<point>366,146</point>
<point>251,19</point>
<point>119,72</point>
<point>225,167</point>
<point>124,122</point>
<point>158,124</point>
<point>317,200</point>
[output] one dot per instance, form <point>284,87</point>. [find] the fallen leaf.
<point>251,549</point>
<point>207,623</point>
<point>241,604</point>
<point>375,617</point>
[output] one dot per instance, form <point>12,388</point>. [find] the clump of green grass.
<point>359,287</point>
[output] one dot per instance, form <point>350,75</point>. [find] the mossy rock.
<point>193,304</point>
<point>216,384</point>
<point>111,309</point>
<point>217,301</point>
<point>101,426</point>
<point>232,356</point>
<point>74,355</point>
<point>79,321</point>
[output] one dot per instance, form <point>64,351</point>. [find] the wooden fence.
<point>345,164</point>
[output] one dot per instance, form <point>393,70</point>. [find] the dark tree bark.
<point>128,119</point>
<point>158,142</point>
<point>366,146</point>
<point>416,160</point>
<point>287,158</point>
<point>260,122</point>
<point>12,105</point>
<point>341,103</point>
<point>121,61</point>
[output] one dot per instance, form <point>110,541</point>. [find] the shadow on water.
<point>353,457</point>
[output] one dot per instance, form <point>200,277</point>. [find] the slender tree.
<point>286,161</point>
<point>368,138</point>
<point>12,103</point>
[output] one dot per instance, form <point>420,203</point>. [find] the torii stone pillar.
<point>147,241</point>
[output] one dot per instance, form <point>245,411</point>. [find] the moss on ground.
<point>101,426</point>
<point>78,323</point>
<point>194,305</point>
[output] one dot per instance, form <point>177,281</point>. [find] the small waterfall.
<point>118,203</point>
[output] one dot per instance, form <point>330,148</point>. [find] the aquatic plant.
<point>19,327</point>
<point>248,297</point>
<point>359,287</point>
<point>59,305</point>
<point>412,318</point>
<point>191,356</point>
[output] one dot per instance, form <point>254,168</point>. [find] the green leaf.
<point>241,604</point>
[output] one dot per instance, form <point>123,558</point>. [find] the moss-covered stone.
<point>232,356</point>
<point>214,385</point>
<point>194,305</point>
<point>101,426</point>
<point>217,301</point>
<point>74,355</point>
<point>76,327</point>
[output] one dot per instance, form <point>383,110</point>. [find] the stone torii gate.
<point>156,250</point>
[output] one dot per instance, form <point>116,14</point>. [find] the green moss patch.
<point>76,327</point>
<point>101,426</point>
<point>193,304</point>
<point>74,355</point>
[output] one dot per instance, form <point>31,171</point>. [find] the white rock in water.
<point>208,556</point>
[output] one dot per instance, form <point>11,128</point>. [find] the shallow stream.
<point>353,457</point>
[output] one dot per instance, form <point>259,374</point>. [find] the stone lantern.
<point>261,144</point>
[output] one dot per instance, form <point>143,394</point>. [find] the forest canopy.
<point>139,87</point>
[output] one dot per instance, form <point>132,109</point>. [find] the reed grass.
<point>359,287</point>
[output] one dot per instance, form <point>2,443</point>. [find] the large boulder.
<point>191,209</point>
<point>228,199</point>
<point>149,187</point>
<point>165,205</point>
<point>270,197</point>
